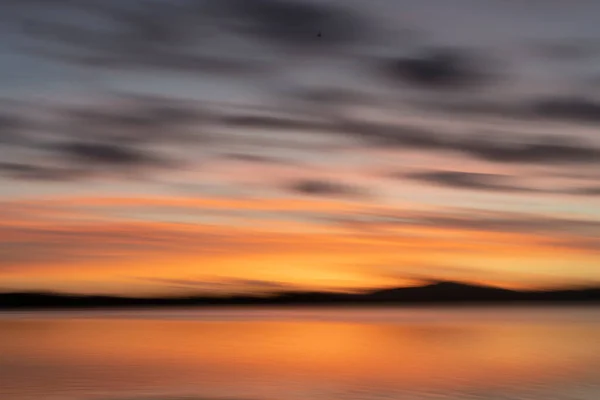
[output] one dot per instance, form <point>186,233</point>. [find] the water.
<point>377,354</point>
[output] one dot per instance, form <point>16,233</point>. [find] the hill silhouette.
<point>436,293</point>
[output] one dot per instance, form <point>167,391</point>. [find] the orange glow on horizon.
<point>81,249</point>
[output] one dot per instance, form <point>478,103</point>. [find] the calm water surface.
<point>329,354</point>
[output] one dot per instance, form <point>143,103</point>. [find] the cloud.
<point>397,135</point>
<point>514,222</point>
<point>70,161</point>
<point>191,64</point>
<point>293,23</point>
<point>488,182</point>
<point>437,69</point>
<point>40,172</point>
<point>331,95</point>
<point>567,50</point>
<point>486,221</point>
<point>585,191</point>
<point>188,36</point>
<point>137,120</point>
<point>542,150</point>
<point>324,188</point>
<point>260,159</point>
<point>499,148</point>
<point>467,180</point>
<point>100,153</point>
<point>591,244</point>
<point>15,122</point>
<point>474,107</point>
<point>575,109</point>
<point>60,242</point>
<point>271,122</point>
<point>125,134</point>
<point>85,240</point>
<point>11,129</point>
<point>156,35</point>
<point>74,233</point>
<point>228,285</point>
<point>142,111</point>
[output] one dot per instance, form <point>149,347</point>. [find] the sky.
<point>233,146</point>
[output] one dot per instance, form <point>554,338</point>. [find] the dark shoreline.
<point>441,294</point>
<point>341,306</point>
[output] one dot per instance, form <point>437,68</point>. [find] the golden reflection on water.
<point>128,354</point>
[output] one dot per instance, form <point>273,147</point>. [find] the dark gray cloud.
<point>39,172</point>
<point>271,122</point>
<point>489,182</point>
<point>70,161</point>
<point>143,111</point>
<point>192,36</point>
<point>101,153</point>
<point>315,187</point>
<point>293,23</point>
<point>77,143</point>
<point>500,148</point>
<point>126,134</point>
<point>161,35</point>
<point>478,107</point>
<point>576,109</point>
<point>330,95</point>
<point>11,129</point>
<point>438,69</point>
<point>567,50</point>
<point>137,120</point>
<point>191,64</point>
<point>397,135</point>
<point>542,149</point>
<point>467,180</point>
